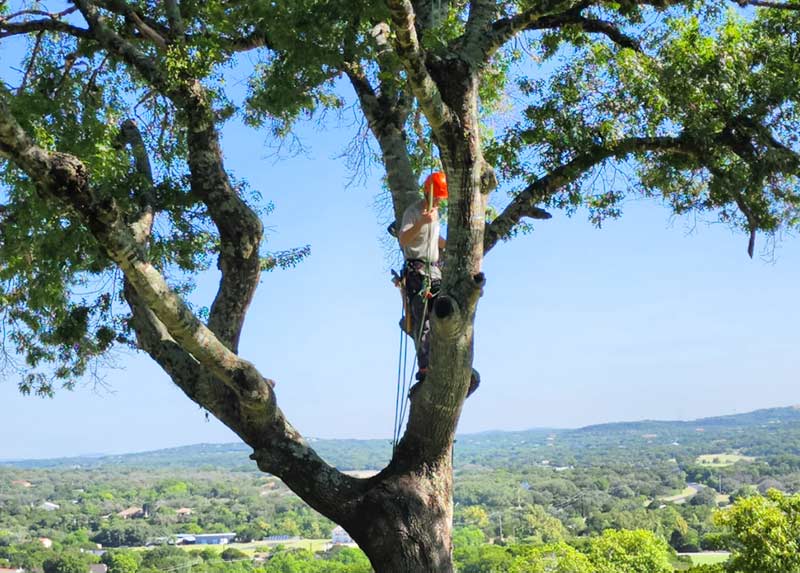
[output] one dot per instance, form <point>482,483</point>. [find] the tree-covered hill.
<point>760,434</point>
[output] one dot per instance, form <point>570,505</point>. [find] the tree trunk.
<point>404,522</point>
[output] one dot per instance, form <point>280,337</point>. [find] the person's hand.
<point>429,215</point>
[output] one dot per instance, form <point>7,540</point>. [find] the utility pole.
<point>500,517</point>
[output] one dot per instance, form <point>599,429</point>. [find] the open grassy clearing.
<point>722,460</point>
<point>682,496</point>
<point>708,558</point>
<point>250,549</point>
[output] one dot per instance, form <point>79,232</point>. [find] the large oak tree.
<point>113,176</point>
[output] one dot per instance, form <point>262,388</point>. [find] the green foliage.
<point>629,552</point>
<point>716,568</point>
<point>50,260</point>
<point>719,81</point>
<point>120,561</point>
<point>763,533</point>
<point>310,38</point>
<point>232,554</point>
<point>558,558</point>
<point>66,563</point>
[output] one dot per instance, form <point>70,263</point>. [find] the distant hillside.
<point>761,433</point>
<point>749,419</point>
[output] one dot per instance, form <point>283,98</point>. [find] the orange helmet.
<point>437,182</point>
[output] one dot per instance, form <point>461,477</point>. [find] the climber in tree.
<point>421,242</point>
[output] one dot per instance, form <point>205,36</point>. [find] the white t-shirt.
<point>425,246</point>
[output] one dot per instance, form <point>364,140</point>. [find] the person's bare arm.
<point>410,234</point>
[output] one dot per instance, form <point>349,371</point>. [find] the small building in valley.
<point>204,538</point>
<point>131,513</point>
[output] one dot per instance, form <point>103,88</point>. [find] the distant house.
<point>98,568</point>
<point>131,513</point>
<point>340,537</point>
<point>21,483</point>
<point>184,511</point>
<point>204,539</point>
<point>49,506</point>
<point>46,542</point>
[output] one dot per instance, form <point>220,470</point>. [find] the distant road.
<point>691,490</point>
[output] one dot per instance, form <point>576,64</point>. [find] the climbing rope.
<point>402,388</point>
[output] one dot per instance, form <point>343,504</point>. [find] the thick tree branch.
<point>174,17</point>
<point>386,118</point>
<point>597,26</point>
<point>121,47</point>
<point>524,204</point>
<point>411,53</point>
<point>482,47</point>
<point>147,27</point>
<point>239,226</point>
<point>279,448</point>
<point>143,221</point>
<point>481,15</point>
<point>8,29</point>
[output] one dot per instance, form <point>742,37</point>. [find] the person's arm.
<point>442,243</point>
<point>409,233</point>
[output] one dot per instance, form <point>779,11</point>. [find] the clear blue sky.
<point>649,317</point>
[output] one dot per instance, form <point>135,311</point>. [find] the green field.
<point>314,545</point>
<point>722,460</point>
<point>682,496</point>
<point>710,558</point>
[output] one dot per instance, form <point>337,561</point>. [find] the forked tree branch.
<point>479,48</point>
<point>240,228</point>
<point>149,28</point>
<point>278,448</point>
<point>8,29</point>
<point>524,204</point>
<point>481,14</point>
<point>64,177</point>
<point>122,48</point>
<point>386,118</point>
